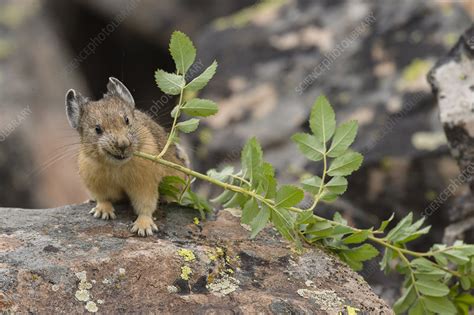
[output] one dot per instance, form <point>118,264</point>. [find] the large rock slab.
<point>51,259</point>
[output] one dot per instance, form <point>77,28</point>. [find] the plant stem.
<point>173,127</point>
<point>271,204</point>
<point>323,177</point>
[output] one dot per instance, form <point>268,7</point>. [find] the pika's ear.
<point>117,88</point>
<point>74,103</point>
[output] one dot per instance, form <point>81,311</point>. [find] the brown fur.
<point>110,179</point>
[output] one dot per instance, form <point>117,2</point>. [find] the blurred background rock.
<point>275,57</point>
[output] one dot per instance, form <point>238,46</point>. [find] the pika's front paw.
<point>104,211</point>
<point>144,226</point>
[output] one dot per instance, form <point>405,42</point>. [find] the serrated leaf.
<point>169,83</point>
<point>362,253</point>
<point>260,220</point>
<point>345,164</point>
<point>439,305</point>
<point>405,301</point>
<point>385,223</point>
<point>252,160</point>
<point>188,125</point>
<point>400,228</point>
<point>249,211</point>
<point>343,138</point>
<point>284,222</point>
<point>432,288</point>
<point>288,196</point>
<point>328,196</point>
<point>312,184</point>
<point>337,185</point>
<point>357,237</point>
<point>309,145</point>
<point>182,50</point>
<point>200,107</point>
<point>201,81</point>
<point>323,120</point>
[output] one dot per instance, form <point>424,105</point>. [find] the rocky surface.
<point>64,261</point>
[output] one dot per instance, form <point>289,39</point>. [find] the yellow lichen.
<point>416,69</point>
<point>91,307</point>
<point>196,221</point>
<point>186,272</point>
<point>187,254</point>
<point>82,295</point>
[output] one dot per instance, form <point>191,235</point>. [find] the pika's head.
<point>106,126</point>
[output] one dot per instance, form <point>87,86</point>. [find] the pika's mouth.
<point>119,157</point>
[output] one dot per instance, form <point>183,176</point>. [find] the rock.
<point>156,20</point>
<point>63,260</point>
<point>452,81</point>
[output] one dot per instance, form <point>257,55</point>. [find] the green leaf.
<point>200,107</point>
<point>465,283</point>
<point>249,211</point>
<point>328,196</point>
<point>174,112</point>
<point>252,160</point>
<point>385,223</point>
<point>169,83</point>
<point>323,120</point>
<point>312,184</point>
<point>362,253</point>
<point>288,196</point>
<point>439,305</point>
<point>284,222</point>
<point>417,309</point>
<point>201,81</point>
<point>345,164</point>
<point>260,220</point>
<point>305,217</point>
<point>400,228</point>
<point>357,237</point>
<point>405,301</point>
<point>432,288</point>
<point>223,175</point>
<point>456,256</point>
<point>188,125</point>
<point>309,145</point>
<point>337,185</point>
<point>343,138</point>
<point>183,52</point>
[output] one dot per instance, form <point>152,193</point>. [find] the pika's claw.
<point>144,226</point>
<point>103,211</point>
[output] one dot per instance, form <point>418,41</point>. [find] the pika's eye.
<point>98,129</point>
<point>127,122</point>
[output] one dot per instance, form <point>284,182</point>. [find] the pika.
<point>111,130</point>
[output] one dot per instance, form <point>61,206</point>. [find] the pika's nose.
<point>123,143</point>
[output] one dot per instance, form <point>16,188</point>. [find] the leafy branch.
<point>436,281</point>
